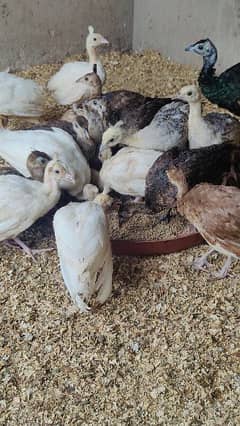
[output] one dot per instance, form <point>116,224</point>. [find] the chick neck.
<point>182,188</point>
<point>131,137</point>
<point>92,53</point>
<point>210,60</point>
<point>50,186</point>
<point>195,115</point>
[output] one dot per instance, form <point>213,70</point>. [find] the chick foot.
<point>17,243</point>
<point>200,262</point>
<point>224,271</point>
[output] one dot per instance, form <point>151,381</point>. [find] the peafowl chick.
<point>167,128</point>
<point>223,90</point>
<point>64,85</point>
<point>215,211</point>
<point>126,171</point>
<point>16,145</point>
<point>36,164</point>
<point>20,97</point>
<point>213,128</point>
<point>84,251</point>
<point>218,164</point>
<point>23,201</point>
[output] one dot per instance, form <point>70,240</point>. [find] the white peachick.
<point>126,171</point>
<point>64,84</point>
<point>17,145</point>
<point>84,251</point>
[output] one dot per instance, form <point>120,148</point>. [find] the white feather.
<point>167,129</point>
<point>84,251</point>
<point>126,171</point>
<point>19,96</point>
<point>16,145</point>
<point>64,84</point>
<point>23,201</point>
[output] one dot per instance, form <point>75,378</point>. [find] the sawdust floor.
<point>163,351</point>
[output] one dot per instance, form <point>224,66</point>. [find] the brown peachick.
<point>215,211</point>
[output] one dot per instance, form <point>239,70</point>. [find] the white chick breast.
<point>22,202</point>
<point>84,251</point>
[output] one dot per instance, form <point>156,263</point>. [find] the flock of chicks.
<point>162,149</point>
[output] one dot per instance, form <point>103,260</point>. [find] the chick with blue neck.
<point>223,90</point>
<point>207,50</point>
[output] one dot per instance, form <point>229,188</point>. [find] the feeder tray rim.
<point>121,247</point>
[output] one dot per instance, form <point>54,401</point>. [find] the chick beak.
<point>69,177</point>
<point>189,48</point>
<point>104,41</point>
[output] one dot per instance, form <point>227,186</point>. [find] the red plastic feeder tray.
<point>155,247</point>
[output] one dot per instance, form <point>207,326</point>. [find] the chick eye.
<point>111,140</point>
<point>94,39</point>
<point>200,47</point>
<point>94,102</point>
<point>86,78</point>
<point>57,172</point>
<point>189,93</point>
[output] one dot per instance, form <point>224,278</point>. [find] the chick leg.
<point>25,248</point>
<point>224,271</point>
<point>138,200</point>
<point>200,262</point>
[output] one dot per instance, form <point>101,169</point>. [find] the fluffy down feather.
<point>84,251</point>
<point>20,97</point>
<point>126,171</point>
<point>16,146</point>
<point>64,84</point>
<point>168,128</point>
<point>23,201</point>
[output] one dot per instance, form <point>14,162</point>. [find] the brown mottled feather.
<point>120,99</point>
<point>215,211</point>
<point>209,164</point>
<point>134,109</point>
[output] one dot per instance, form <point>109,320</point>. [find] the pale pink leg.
<point>25,248</point>
<point>138,200</point>
<point>224,271</point>
<point>200,262</point>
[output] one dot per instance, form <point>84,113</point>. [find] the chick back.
<point>214,164</point>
